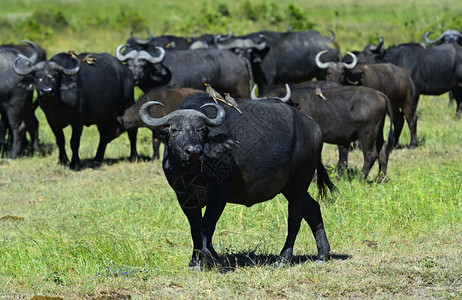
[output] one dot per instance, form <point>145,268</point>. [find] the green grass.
<point>118,231</point>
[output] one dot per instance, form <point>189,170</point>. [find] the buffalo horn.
<point>332,35</point>
<point>374,48</point>
<point>431,42</point>
<point>152,59</point>
<point>253,95</point>
<point>165,121</point>
<point>23,70</point>
<point>353,63</point>
<point>144,42</point>
<point>219,38</point>
<point>34,56</point>
<point>283,99</point>
<point>320,64</point>
<point>122,57</point>
<point>287,96</point>
<point>65,71</point>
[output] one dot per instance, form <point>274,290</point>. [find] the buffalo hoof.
<point>281,263</point>
<point>322,258</point>
<point>201,261</point>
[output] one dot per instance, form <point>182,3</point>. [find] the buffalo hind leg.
<point>132,134</point>
<point>398,120</point>
<point>305,207</point>
<point>108,132</point>
<point>411,119</point>
<point>293,226</point>
<point>312,215</point>
<point>457,92</point>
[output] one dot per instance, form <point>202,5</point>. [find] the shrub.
<point>40,25</point>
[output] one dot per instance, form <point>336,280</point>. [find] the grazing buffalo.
<point>16,92</point>
<point>390,79</point>
<point>169,97</point>
<point>77,93</point>
<point>346,114</point>
<point>215,155</point>
<point>434,70</point>
<point>224,70</point>
<point>281,57</point>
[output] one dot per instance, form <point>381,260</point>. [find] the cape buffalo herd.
<point>238,148</point>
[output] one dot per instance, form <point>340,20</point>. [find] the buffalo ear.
<point>162,134</point>
<point>26,83</point>
<point>220,143</point>
<point>67,83</point>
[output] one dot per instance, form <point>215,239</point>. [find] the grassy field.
<point>117,230</point>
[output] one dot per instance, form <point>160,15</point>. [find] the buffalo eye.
<point>175,130</point>
<point>203,130</point>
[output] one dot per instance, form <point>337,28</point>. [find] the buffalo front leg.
<point>215,206</point>
<point>59,136</point>
<point>194,217</point>
<point>75,144</point>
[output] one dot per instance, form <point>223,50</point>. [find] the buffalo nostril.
<point>194,150</point>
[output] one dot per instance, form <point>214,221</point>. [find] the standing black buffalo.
<point>346,114</point>
<point>224,70</point>
<point>434,70</point>
<point>281,57</point>
<point>390,79</point>
<point>213,158</point>
<point>16,93</point>
<point>75,93</point>
<point>447,37</point>
<point>169,97</point>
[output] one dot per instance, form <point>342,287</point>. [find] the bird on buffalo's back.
<point>217,97</point>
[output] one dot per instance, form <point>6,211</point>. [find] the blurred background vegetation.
<point>100,25</point>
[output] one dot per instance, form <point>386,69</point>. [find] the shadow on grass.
<point>89,163</point>
<point>230,262</point>
<point>420,141</point>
